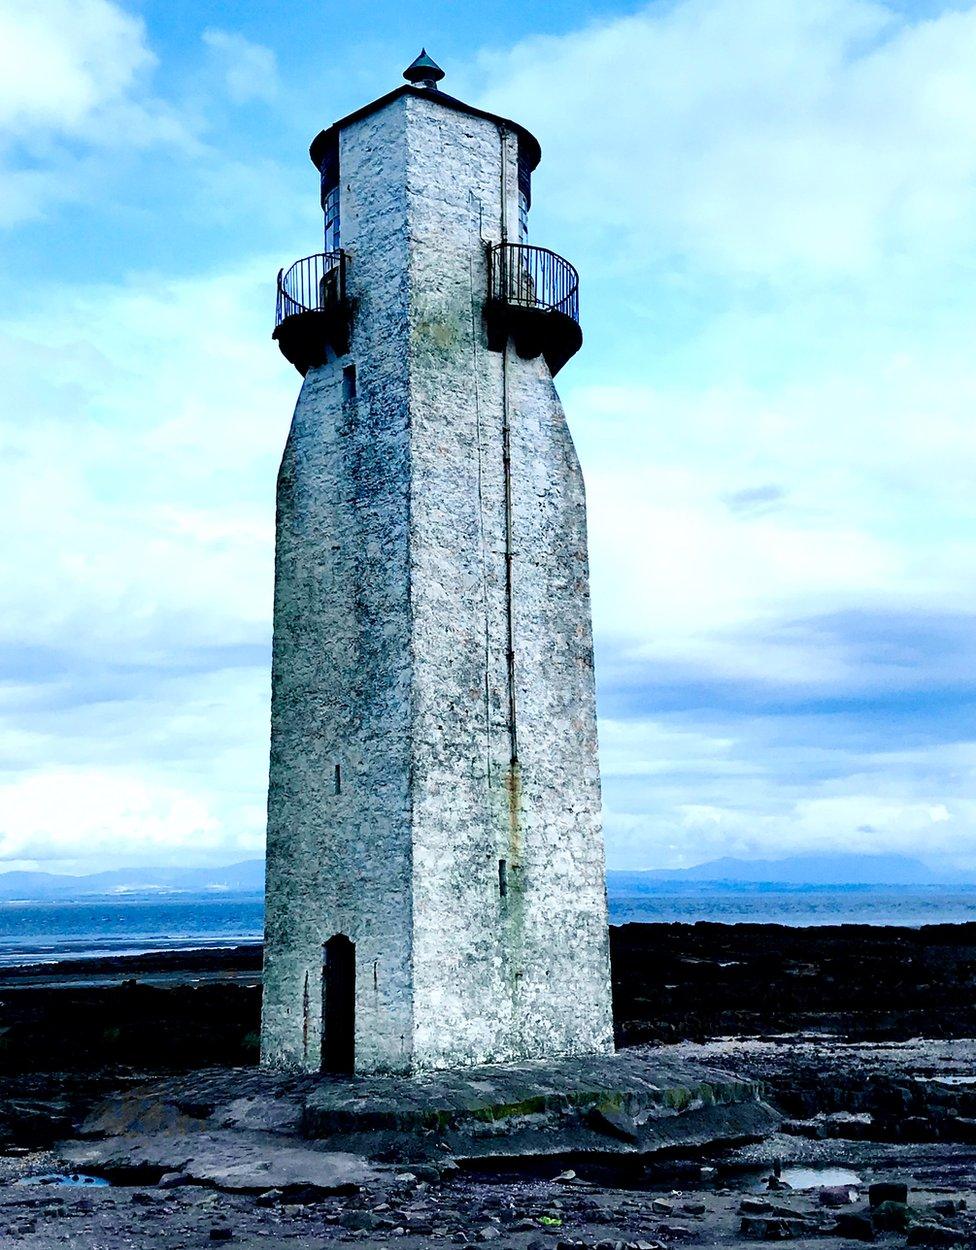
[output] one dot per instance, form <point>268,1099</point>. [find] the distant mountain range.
<point>826,870</point>
<point>243,878</point>
<point>248,877</point>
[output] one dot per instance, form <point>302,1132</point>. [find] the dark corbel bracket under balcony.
<point>313,312</point>
<point>533,300</point>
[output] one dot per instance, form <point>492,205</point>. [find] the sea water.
<point>33,932</point>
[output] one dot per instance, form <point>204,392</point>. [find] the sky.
<point>772,205</point>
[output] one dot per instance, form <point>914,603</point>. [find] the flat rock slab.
<point>226,1160</point>
<point>641,1085</point>
<point>635,1102</point>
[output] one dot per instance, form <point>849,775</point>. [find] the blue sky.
<point>773,209</point>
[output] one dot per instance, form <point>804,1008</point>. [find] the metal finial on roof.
<point>424,72</point>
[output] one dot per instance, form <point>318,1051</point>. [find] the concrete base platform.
<point>634,1103</point>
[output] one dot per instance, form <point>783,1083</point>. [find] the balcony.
<point>533,300</point>
<point>313,311</point>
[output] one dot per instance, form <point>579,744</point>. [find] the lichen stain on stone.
<point>439,335</point>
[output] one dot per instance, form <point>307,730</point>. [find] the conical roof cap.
<point>423,70</point>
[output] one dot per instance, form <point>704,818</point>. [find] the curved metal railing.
<point>312,284</point>
<point>533,277</point>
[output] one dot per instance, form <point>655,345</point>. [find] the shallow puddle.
<point>818,1178</point>
<point>71,1179</point>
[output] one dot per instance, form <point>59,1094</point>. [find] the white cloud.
<point>64,62</point>
<point>250,70</point>
<point>73,85</point>
<point>686,792</point>
<point>60,814</point>
<point>806,136</point>
<point>137,471</point>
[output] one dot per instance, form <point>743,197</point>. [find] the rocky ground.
<point>880,1094</point>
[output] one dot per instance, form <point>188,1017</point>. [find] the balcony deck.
<point>533,300</point>
<point>313,312</point>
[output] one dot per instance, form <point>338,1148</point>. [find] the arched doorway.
<point>339,1005</point>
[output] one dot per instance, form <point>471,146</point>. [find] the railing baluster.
<point>533,277</point>
<point>306,286</point>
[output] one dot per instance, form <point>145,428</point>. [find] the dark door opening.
<point>339,1005</point>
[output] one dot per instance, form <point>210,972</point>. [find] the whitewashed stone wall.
<point>391,633</point>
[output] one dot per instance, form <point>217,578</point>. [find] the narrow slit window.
<point>349,383</point>
<point>503,877</point>
<point>338,779</point>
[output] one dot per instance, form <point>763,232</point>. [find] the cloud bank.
<point>773,209</point>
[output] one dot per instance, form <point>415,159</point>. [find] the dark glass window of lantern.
<point>331,207</point>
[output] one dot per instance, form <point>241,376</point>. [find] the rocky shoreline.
<point>857,1038</point>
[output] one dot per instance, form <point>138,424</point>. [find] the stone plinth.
<point>635,1103</point>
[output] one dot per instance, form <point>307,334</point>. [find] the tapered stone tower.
<point>435,890</point>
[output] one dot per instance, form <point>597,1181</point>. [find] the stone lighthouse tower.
<point>435,889</point>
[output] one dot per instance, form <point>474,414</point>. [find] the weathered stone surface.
<point>613,1122</point>
<point>542,1108</point>
<point>227,1160</point>
<point>460,849</point>
<point>535,1108</point>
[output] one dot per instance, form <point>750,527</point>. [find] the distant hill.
<point>802,870</point>
<point>246,877</point>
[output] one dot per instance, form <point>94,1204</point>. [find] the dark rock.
<point>221,1234</point>
<point>887,1191</point>
<point>359,1220</point>
<point>949,1206</point>
<point>613,1123</point>
<point>838,1196</point>
<point>918,1128</point>
<point>854,1225</point>
<point>693,1208</point>
<point>933,1235</point>
<point>173,1180</point>
<point>754,1206</point>
<point>774,1227</point>
<point>891,1217</point>
<point>813,1129</point>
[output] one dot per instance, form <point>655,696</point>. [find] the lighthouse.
<point>435,871</point>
